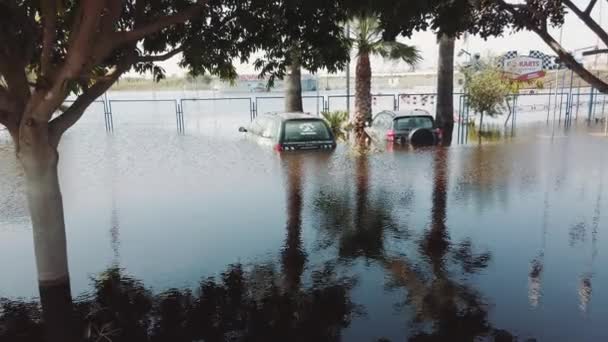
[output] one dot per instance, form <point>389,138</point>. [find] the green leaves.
<point>407,53</point>
<point>337,122</point>
<point>369,39</point>
<point>487,91</point>
<point>313,27</point>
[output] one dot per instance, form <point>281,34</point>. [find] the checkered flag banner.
<point>549,61</point>
<point>501,60</point>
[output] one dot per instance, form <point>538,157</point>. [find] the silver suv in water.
<point>292,131</point>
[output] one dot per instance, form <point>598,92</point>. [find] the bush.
<point>338,122</point>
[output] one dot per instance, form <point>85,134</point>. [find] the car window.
<point>269,129</point>
<point>382,121</point>
<point>409,123</point>
<point>305,130</point>
<point>256,125</point>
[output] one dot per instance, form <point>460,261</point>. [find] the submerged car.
<point>416,127</point>
<point>292,131</point>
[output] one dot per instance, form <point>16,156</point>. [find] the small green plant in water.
<point>338,123</point>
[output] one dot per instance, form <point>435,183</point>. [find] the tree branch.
<point>71,115</point>
<point>16,80</point>
<point>82,39</point>
<point>159,24</point>
<point>49,32</point>
<point>564,55</point>
<point>590,7</point>
<point>6,103</point>
<point>159,58</point>
<point>592,24</point>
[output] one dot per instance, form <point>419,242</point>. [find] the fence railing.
<point>560,107</point>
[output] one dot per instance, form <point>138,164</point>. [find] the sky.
<point>575,36</point>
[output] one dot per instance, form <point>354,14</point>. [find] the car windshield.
<point>408,123</point>
<point>306,130</point>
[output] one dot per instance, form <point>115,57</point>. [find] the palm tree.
<point>293,84</point>
<point>368,41</point>
<point>445,87</point>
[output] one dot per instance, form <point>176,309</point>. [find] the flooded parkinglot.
<point>228,240</point>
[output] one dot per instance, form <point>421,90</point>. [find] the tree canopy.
<point>57,47</point>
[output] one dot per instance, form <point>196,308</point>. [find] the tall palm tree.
<point>367,41</point>
<point>445,87</point>
<point>293,84</point>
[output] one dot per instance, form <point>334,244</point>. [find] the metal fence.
<point>194,113</point>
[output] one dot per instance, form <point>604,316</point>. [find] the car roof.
<point>292,116</point>
<point>407,113</point>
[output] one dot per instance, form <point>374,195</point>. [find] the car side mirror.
<point>242,129</point>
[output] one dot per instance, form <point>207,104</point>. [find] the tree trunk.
<point>445,88</point>
<point>39,160</point>
<point>58,313</point>
<point>363,96</point>
<point>293,87</point>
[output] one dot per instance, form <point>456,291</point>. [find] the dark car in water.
<point>292,131</point>
<point>416,127</point>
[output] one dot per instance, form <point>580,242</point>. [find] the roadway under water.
<point>215,238</point>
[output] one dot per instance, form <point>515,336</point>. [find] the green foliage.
<point>368,39</point>
<point>487,91</point>
<point>337,121</point>
<point>312,27</point>
<point>223,34</point>
<point>484,18</point>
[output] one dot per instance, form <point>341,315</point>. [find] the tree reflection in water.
<point>293,255</point>
<point>446,307</point>
<point>238,307</point>
<point>255,305</point>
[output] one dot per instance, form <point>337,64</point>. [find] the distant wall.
<point>335,83</point>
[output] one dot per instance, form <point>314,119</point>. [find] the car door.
<point>380,126</point>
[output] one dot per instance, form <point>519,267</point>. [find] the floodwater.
<point>204,237</point>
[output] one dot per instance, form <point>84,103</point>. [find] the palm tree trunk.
<point>293,86</point>
<point>363,96</point>
<point>445,88</point>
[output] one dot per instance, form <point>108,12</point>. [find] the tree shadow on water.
<point>444,305</point>
<point>240,306</point>
<point>254,303</point>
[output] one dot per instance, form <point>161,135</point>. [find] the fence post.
<point>578,102</point>
<point>590,106</point>
<point>603,104</point>
<point>110,120</point>
<point>177,119</point>
<point>459,119</point>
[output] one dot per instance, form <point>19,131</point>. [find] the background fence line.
<point>563,107</point>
